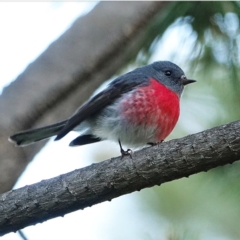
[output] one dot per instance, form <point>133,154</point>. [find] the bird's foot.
<point>124,153</point>
<point>155,143</point>
<point>128,152</point>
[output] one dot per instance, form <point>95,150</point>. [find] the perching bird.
<point>138,108</point>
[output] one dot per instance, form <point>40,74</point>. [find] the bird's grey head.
<point>171,75</point>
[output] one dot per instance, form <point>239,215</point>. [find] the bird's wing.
<point>114,90</point>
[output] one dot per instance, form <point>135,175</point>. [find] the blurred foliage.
<point>216,25</point>
<point>205,206</point>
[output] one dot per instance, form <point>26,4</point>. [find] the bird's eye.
<point>168,73</point>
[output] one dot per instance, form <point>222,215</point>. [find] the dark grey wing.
<point>114,90</point>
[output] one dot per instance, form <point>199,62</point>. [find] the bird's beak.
<point>187,81</point>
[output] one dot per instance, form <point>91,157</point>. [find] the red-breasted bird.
<point>138,108</point>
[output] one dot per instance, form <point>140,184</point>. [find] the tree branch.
<point>115,177</point>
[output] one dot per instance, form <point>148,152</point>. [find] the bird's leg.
<point>124,153</point>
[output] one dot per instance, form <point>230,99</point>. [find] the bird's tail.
<point>35,135</point>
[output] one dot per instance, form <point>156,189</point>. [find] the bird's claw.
<point>155,143</point>
<point>128,152</point>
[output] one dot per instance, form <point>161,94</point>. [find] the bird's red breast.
<point>152,106</point>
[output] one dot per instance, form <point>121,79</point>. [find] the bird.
<point>136,109</point>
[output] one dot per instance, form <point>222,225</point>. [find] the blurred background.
<point>203,39</point>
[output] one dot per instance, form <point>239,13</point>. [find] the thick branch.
<point>115,177</point>
<point>65,75</point>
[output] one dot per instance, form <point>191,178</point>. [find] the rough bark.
<point>115,177</point>
<point>64,76</point>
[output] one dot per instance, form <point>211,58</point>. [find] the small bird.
<point>136,109</point>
